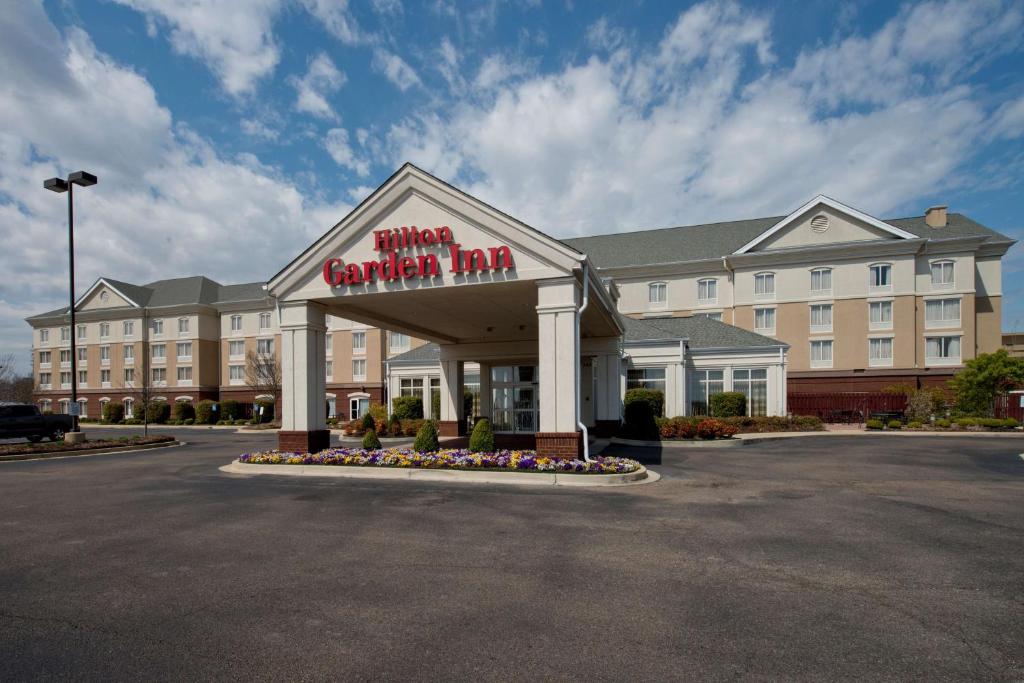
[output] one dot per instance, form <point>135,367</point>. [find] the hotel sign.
<point>400,262</point>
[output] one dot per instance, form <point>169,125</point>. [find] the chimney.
<point>935,216</point>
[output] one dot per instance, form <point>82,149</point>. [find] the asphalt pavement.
<point>825,558</point>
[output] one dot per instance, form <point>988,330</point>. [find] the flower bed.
<point>453,459</point>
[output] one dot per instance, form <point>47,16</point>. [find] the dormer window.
<point>657,294</point>
<point>707,291</point>
<point>942,274</point>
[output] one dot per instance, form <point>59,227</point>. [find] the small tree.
<point>368,422</point>
<point>370,440</point>
<point>983,378</point>
<point>426,438</point>
<point>263,373</point>
<point>482,439</point>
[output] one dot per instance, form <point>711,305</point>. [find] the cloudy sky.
<point>228,134</point>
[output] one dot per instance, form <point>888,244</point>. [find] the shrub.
<point>775,423</point>
<point>677,427</point>
<point>205,414</point>
<point>411,427</point>
<point>183,410</point>
<point>874,424</point>
<point>113,411</point>
<point>983,378</point>
<point>915,424</point>
<point>923,403</point>
<point>1011,423</point>
<point>943,423</point>
<point>482,439</point>
<point>407,407</point>
<point>368,423</point>
<point>239,422</point>
<point>715,429</point>
<point>158,412</point>
<point>370,440</point>
<point>395,426</point>
<point>231,410</point>
<point>379,412</point>
<point>426,438</point>
<point>965,422</point>
<point>895,424</point>
<point>642,406</point>
<point>728,404</point>
<point>189,421</point>
<point>268,411</point>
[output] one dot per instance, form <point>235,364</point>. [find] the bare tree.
<point>263,374</point>
<point>14,387</point>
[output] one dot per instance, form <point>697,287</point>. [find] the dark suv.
<point>23,420</point>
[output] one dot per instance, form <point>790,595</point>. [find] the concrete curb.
<point>749,439</point>
<point>641,476</point>
<point>695,443</point>
<point>21,457</point>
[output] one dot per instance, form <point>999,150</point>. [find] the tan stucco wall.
<point>841,229</point>
<point>988,311</point>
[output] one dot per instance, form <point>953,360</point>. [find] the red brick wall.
<point>559,444</point>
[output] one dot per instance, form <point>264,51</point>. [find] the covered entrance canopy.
<point>421,257</point>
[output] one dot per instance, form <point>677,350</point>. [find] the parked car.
<point>23,420</point>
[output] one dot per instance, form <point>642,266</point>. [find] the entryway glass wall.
<point>515,407</point>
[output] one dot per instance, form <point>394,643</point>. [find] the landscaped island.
<point>452,459</point>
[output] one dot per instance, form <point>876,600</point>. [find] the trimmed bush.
<point>411,427</point>
<point>728,404</point>
<point>482,438</point>
<point>205,414</point>
<point>677,427</point>
<point>407,407</point>
<point>370,440</point>
<point>943,423</point>
<point>395,426</point>
<point>268,411</point>
<point>874,424</point>
<point>777,423</point>
<point>158,412</point>
<point>715,429</point>
<point>895,424</point>
<point>426,438</point>
<point>915,424</point>
<point>190,421</point>
<point>113,412</point>
<point>231,410</point>
<point>1011,423</point>
<point>368,423</point>
<point>183,410</point>
<point>642,407</point>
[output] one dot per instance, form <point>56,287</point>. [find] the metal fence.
<point>845,407</point>
<point>1010,405</point>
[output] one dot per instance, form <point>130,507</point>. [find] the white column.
<point>485,391</point>
<point>451,390</point>
<point>557,350</point>
<point>608,402</point>
<point>303,367</point>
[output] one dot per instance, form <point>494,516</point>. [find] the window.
<point>646,378</point>
<point>129,376</point>
<point>329,343</point>
<point>44,359</point>
<point>359,368</point>
<point>182,325</point>
<point>880,351</point>
<point>764,285</point>
<point>358,406</point>
<point>105,355</point>
<point>706,383</point>
<point>821,281</point>
<point>83,407</point>
<point>265,347</point>
<point>236,348</point>
<point>185,375</point>
<point>330,371</point>
<point>184,350</point>
<point>764,319</point>
<point>942,275</point>
<point>129,407</point>
<point>942,313</point>
<point>707,291</point>
<point>821,318</point>
<point>236,323</point>
<point>821,353</point>
<point>65,334</point>
<point>880,276</point>
<point>753,384</point>
<point>236,374</point>
<point>657,293</point>
<point>65,358</point>
<point>129,354</point>
<point>82,331</point>
<point>45,380</point>
<point>83,354</point>
<point>129,328</point>
<point>880,315</point>
<point>435,397</point>
<point>359,341</point>
<point>44,336</point>
<point>399,342</point>
<point>410,386</point>
<point>942,349</point>
<point>64,403</point>
<point>709,316</point>
<point>159,376</point>
<point>104,378</point>
<point>158,327</point>
<point>264,321</point>
<point>104,330</point>
<point>159,352</point>
<point>65,380</point>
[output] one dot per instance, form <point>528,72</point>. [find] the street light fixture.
<point>84,179</point>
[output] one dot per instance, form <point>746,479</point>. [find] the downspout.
<point>579,371</point>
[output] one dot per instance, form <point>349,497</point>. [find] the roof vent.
<point>935,216</point>
<point>819,223</point>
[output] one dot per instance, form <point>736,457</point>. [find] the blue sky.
<point>245,128</point>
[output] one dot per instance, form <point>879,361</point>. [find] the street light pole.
<point>84,179</point>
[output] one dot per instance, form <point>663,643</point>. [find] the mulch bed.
<point>61,447</point>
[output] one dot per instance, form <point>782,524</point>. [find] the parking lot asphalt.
<point>824,558</point>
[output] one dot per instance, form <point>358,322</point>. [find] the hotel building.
<point>826,298</point>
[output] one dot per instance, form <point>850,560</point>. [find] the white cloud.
<point>388,7</point>
<point>395,69</point>
<point>337,19</point>
<point>337,145</point>
<point>233,37</point>
<point>321,80</point>
<point>67,106</point>
<point>495,70</point>
<point>258,129</point>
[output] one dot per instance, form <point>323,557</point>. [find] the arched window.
<point>657,293</point>
<point>880,276</point>
<point>943,274</point>
<point>707,291</point>
<point>764,285</point>
<point>821,281</point>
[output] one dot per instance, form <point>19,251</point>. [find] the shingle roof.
<point>702,332</point>
<point>421,354</point>
<point>714,240</point>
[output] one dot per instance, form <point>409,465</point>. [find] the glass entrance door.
<point>514,399</point>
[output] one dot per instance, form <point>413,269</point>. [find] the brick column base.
<point>565,445</point>
<point>449,428</point>
<point>304,442</point>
